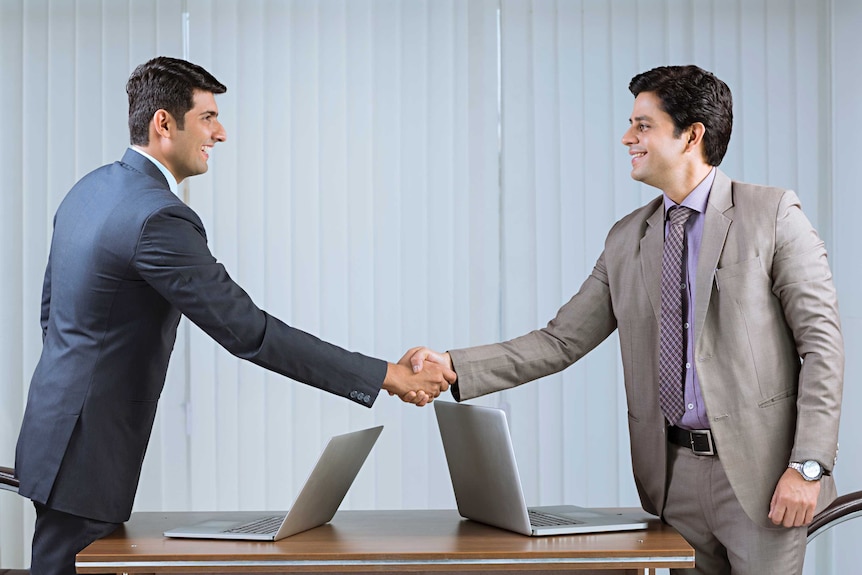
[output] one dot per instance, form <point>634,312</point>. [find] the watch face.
<point>811,469</point>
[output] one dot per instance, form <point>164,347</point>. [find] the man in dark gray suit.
<point>127,259</point>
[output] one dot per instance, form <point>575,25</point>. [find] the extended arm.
<point>579,326</point>
<point>173,258</point>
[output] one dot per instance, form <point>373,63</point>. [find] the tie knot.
<point>679,215</point>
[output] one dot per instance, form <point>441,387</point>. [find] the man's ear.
<point>695,136</point>
<point>163,123</point>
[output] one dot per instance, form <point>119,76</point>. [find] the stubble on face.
<point>193,144</point>
<point>655,149</point>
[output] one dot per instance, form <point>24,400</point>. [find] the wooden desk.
<point>436,541</point>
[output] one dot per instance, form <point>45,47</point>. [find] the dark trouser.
<point>59,537</point>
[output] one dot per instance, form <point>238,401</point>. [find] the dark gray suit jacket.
<point>127,259</point>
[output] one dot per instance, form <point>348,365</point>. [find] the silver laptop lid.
<point>482,465</point>
<point>329,481</point>
<point>317,501</point>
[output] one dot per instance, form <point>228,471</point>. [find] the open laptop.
<point>487,485</point>
<point>316,504</point>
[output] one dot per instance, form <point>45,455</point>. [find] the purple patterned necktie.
<point>672,339</point>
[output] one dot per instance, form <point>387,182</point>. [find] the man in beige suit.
<point>749,461</point>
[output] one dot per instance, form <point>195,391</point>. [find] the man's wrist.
<point>810,469</point>
<point>390,381</point>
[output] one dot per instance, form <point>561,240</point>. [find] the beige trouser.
<point>702,506</point>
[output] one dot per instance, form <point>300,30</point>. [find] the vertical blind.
<point>335,203</point>
<point>399,173</point>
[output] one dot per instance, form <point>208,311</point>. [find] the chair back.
<point>8,480</point>
<point>842,509</point>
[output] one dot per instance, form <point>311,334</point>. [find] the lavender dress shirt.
<point>694,416</point>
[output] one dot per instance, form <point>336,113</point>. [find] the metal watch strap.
<point>799,466</point>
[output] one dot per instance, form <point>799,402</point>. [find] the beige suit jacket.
<point>769,351</point>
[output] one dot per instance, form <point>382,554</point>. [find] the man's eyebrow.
<point>641,119</point>
<point>209,113</point>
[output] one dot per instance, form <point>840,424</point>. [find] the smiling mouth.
<point>205,150</point>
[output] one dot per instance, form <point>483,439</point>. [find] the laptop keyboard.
<point>261,526</point>
<point>540,519</point>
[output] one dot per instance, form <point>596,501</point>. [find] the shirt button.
<point>687,365</point>
<point>691,406</point>
<point>685,325</point>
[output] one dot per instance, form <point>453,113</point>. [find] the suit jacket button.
<point>353,394</point>
<point>367,398</point>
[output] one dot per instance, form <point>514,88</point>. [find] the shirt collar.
<point>172,182</point>
<point>698,197</point>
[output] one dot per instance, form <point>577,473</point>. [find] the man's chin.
<point>643,178</point>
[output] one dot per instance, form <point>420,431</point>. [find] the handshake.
<point>420,375</point>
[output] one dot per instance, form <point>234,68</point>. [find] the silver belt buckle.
<point>701,442</point>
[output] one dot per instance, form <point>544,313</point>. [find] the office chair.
<point>843,509</point>
<point>8,480</point>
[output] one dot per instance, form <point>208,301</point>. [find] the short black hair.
<point>690,94</point>
<point>164,83</point>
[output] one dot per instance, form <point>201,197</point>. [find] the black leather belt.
<point>700,441</point>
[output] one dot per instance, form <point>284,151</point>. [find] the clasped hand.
<point>420,384</point>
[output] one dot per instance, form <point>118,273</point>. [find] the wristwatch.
<point>810,470</point>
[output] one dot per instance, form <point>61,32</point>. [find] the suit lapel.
<point>715,228</point>
<point>652,244</point>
